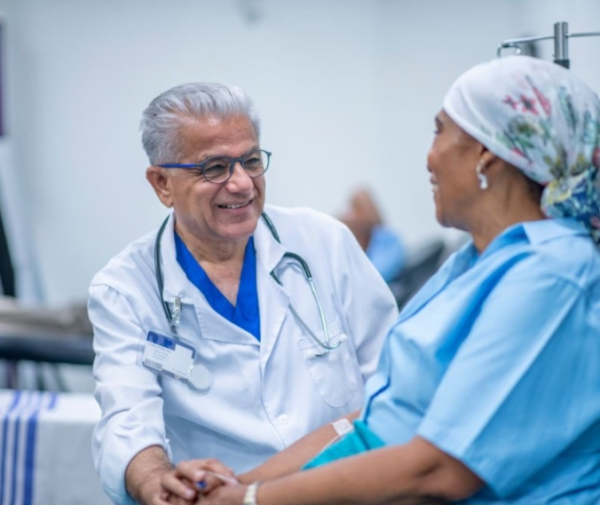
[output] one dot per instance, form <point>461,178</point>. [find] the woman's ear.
<point>161,184</point>
<point>486,157</point>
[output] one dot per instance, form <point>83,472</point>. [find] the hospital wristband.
<point>250,495</point>
<point>342,426</point>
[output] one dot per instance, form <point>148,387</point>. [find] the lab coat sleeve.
<point>521,388</point>
<point>367,303</point>
<point>129,394</point>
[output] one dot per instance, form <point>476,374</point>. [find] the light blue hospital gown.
<point>496,361</point>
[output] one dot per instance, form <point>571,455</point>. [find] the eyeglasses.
<point>219,169</point>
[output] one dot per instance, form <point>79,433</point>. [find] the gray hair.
<point>165,115</point>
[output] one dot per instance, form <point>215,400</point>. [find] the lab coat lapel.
<point>175,281</point>
<point>273,299</point>
<point>212,325</point>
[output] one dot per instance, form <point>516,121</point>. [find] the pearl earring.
<point>483,180</point>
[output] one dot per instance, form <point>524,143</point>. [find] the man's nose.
<point>239,179</point>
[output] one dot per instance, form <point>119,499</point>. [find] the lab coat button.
<point>283,419</point>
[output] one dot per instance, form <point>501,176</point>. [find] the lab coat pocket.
<point>334,372</point>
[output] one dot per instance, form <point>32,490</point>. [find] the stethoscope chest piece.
<point>200,378</point>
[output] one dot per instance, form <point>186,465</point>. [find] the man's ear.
<point>159,181</point>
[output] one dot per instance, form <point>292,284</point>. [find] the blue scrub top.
<point>496,361</point>
<point>245,314</point>
<point>386,252</point>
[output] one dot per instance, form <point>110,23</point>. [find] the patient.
<point>488,384</point>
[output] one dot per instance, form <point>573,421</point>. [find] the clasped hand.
<point>205,481</point>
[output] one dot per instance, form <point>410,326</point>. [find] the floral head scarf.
<point>542,119</point>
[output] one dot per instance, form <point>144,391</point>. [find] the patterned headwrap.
<point>542,119</point>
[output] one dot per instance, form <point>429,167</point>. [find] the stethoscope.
<point>174,315</point>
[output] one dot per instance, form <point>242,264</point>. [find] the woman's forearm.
<point>415,471</point>
<point>295,456</point>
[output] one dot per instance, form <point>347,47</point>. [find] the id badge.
<point>175,358</point>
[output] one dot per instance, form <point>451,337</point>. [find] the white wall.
<point>347,90</point>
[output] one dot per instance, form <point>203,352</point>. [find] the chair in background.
<point>421,264</point>
<point>46,337</point>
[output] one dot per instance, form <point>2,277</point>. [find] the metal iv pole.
<point>561,42</point>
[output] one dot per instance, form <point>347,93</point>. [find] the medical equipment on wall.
<point>197,374</point>
<point>561,42</point>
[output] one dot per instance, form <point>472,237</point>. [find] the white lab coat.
<point>266,394</point>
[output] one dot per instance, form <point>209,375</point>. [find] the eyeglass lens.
<point>254,163</point>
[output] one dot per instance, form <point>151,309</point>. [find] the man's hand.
<point>144,474</point>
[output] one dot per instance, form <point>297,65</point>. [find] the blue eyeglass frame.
<point>232,162</point>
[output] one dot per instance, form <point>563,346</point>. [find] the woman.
<point>487,388</point>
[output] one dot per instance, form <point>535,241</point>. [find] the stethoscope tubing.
<point>160,278</point>
<point>173,317</point>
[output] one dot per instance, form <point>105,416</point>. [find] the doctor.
<point>236,327</point>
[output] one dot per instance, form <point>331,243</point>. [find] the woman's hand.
<point>225,495</point>
<point>194,478</point>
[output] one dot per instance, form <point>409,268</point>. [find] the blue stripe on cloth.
<point>13,406</point>
<point>14,461</point>
<point>32,401</point>
<point>31,437</point>
<point>53,401</point>
<point>16,439</point>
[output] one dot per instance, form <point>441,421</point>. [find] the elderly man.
<point>236,327</point>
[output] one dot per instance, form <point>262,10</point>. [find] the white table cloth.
<point>45,449</point>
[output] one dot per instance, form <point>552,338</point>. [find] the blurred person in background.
<point>380,242</point>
